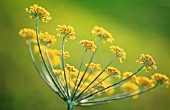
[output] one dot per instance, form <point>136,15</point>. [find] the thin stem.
<point>40,51</point>
<point>62,72</point>
<point>69,81</point>
<point>63,64</point>
<point>81,64</point>
<point>105,100</point>
<point>52,68</point>
<point>39,72</point>
<point>114,83</point>
<point>99,41</point>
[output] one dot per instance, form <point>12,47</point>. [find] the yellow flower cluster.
<point>26,32</point>
<point>59,53</point>
<point>51,52</point>
<point>128,74</point>
<point>93,66</point>
<point>111,70</point>
<point>64,30</point>
<point>47,38</point>
<point>71,68</point>
<point>101,32</point>
<point>88,44</point>
<point>160,78</point>
<point>140,80</point>
<point>144,81</point>
<point>148,60</point>
<point>119,52</point>
<point>38,11</point>
<point>131,87</point>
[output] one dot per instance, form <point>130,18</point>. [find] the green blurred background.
<point>138,26</point>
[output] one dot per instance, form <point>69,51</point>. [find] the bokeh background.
<point>138,26</point>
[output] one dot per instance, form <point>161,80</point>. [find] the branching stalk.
<point>99,41</point>
<point>52,68</point>
<point>40,51</point>
<point>97,76</point>
<point>109,99</point>
<point>63,64</point>
<point>114,83</point>
<point>34,62</point>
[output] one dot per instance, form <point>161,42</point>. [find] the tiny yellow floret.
<point>59,53</point>
<point>93,66</point>
<point>148,60</point>
<point>71,68</point>
<point>101,32</point>
<point>63,30</point>
<point>38,11</point>
<point>47,38</point>
<point>129,74</point>
<point>146,82</point>
<point>160,78</point>
<point>28,33</point>
<point>88,44</point>
<point>119,52</point>
<point>112,70</point>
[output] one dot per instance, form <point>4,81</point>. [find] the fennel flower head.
<point>90,83</point>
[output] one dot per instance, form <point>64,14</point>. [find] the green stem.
<point>70,106</point>
<point>33,60</point>
<point>98,43</point>
<point>63,64</point>
<point>81,64</point>
<point>52,68</point>
<point>40,51</point>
